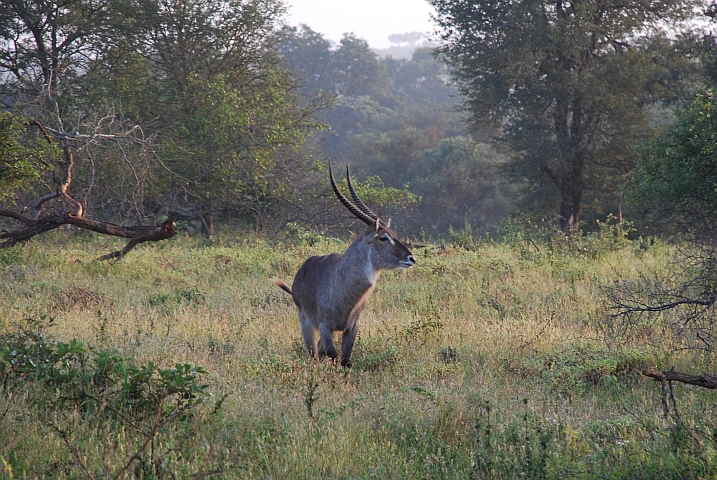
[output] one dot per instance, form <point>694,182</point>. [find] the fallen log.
<point>667,377</point>
<point>706,381</point>
<point>136,233</point>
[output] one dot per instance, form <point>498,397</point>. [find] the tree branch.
<point>16,216</point>
<point>72,212</point>
<point>136,234</point>
<point>706,381</point>
<point>665,306</point>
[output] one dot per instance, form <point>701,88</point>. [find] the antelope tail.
<point>281,285</point>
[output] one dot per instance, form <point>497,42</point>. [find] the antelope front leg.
<point>347,344</point>
<point>327,341</point>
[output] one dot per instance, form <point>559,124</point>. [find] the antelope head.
<point>387,252</point>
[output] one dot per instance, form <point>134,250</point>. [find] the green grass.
<point>492,361</point>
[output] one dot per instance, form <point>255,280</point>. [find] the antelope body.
<point>331,291</point>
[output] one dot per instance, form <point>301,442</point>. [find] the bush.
<point>62,375</point>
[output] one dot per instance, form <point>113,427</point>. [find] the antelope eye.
<point>383,238</point>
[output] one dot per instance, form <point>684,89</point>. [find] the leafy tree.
<point>423,78</point>
<point>23,156</point>
<point>350,70</point>
<point>702,45</point>
<point>158,108</point>
<point>45,43</point>
<point>397,128</point>
<point>309,56</point>
<point>228,109</point>
<point>359,115</point>
<point>358,71</point>
<point>396,155</point>
<point>677,173</point>
<point>458,182</point>
<point>676,176</point>
<point>566,82</point>
<point>213,123</point>
<point>411,38</point>
<point>456,178</point>
<point>404,45</point>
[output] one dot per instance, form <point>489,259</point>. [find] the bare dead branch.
<point>41,201</point>
<point>681,298</point>
<point>674,404</point>
<point>144,234</point>
<point>666,306</point>
<point>666,378</point>
<point>43,130</point>
<point>17,216</point>
<point>72,211</point>
<point>705,380</point>
<point>150,437</point>
<point>73,449</point>
<point>539,334</point>
<point>665,405</point>
<point>136,234</point>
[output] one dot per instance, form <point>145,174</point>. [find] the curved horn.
<point>357,200</point>
<point>347,203</point>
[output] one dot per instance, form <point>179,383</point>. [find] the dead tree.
<point>667,377</point>
<point>58,207</point>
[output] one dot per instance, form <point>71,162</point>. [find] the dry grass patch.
<point>494,361</point>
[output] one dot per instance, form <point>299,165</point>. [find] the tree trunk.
<point>570,207</point>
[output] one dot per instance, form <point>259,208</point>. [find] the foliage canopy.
<point>172,108</point>
<point>23,155</point>
<point>676,177</point>
<point>677,170</point>
<point>567,83</point>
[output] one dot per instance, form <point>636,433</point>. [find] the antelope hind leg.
<point>311,338</point>
<point>322,350</point>
<point>327,341</point>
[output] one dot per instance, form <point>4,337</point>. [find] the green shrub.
<point>62,375</point>
<point>522,448</point>
<point>579,368</point>
<point>191,295</point>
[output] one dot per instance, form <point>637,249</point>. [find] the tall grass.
<point>486,360</point>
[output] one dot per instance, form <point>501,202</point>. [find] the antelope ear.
<point>372,232</point>
<point>370,235</point>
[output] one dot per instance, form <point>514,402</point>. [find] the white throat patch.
<point>371,273</point>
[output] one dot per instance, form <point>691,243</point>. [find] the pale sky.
<point>372,20</point>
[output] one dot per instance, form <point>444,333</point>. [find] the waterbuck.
<point>331,290</point>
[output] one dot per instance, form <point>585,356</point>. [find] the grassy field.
<point>490,360</point>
